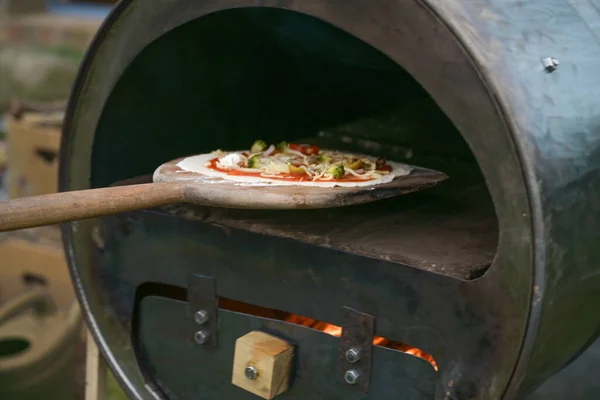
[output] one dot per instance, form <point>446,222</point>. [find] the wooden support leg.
<point>95,374</point>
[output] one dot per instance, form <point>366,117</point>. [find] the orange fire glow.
<point>336,331</point>
<point>333,330</point>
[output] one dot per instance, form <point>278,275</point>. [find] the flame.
<point>378,340</point>
<point>336,331</point>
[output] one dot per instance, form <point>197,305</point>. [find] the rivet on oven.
<point>201,317</point>
<point>351,376</point>
<point>251,372</point>
<point>353,355</point>
<point>550,63</point>
<point>201,337</point>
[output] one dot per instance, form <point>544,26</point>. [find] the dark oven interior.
<point>239,75</point>
<point>235,76</point>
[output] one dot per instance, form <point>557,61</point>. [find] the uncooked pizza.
<point>295,165</point>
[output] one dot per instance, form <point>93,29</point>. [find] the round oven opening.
<point>235,76</point>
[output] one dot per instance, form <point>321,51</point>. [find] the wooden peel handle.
<point>29,212</point>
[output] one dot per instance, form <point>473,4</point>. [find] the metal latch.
<point>356,349</point>
<point>202,310</point>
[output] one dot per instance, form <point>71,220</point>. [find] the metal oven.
<point>479,288</point>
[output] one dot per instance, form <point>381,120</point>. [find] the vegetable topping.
<point>258,146</point>
<point>304,161</point>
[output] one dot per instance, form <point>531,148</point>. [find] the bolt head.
<point>251,372</point>
<point>351,376</point>
<point>201,337</point>
<point>353,355</point>
<point>550,63</point>
<point>201,317</point>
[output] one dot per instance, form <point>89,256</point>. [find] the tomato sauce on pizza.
<point>299,163</point>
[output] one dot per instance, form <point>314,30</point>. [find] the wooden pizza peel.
<point>173,185</point>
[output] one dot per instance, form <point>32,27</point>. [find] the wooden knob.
<point>262,364</point>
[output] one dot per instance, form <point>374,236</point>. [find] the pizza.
<point>294,165</point>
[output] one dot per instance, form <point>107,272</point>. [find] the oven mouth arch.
<point>234,76</point>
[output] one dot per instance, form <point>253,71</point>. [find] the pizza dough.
<point>196,164</point>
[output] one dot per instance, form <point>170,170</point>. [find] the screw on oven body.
<point>351,376</point>
<point>201,337</point>
<point>251,372</point>
<point>550,63</point>
<point>353,355</point>
<point>201,317</point>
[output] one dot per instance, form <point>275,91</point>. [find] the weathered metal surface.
<point>554,118</point>
<point>313,373</point>
<point>242,74</point>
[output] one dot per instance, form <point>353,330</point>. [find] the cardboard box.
<point>29,256</point>
<point>33,148</point>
